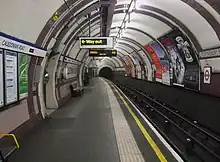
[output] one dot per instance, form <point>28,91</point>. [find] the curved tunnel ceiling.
<point>159,17</point>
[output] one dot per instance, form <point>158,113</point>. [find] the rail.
<point>195,137</point>
<point>10,150</point>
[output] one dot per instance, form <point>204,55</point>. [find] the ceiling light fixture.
<point>127,18</point>
<point>138,4</point>
<point>126,24</point>
<point>120,36</point>
<point>130,8</point>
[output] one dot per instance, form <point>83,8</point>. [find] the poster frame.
<point>3,80</point>
<point>5,94</point>
<point>6,106</point>
<point>24,95</point>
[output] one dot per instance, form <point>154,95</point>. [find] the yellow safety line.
<point>13,136</point>
<point>143,130</point>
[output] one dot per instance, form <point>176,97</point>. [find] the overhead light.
<point>132,6</point>
<point>123,25</point>
<point>126,25</point>
<point>120,35</point>
<point>127,18</point>
<point>123,30</point>
<point>138,4</point>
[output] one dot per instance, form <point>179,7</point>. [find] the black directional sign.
<point>93,42</point>
<point>96,42</point>
<point>102,53</point>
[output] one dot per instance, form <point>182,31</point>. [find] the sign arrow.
<point>83,41</point>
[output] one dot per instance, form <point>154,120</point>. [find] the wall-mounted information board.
<point>11,81</point>
<point>15,55</point>
<point>23,62</point>
<point>96,42</point>
<point>102,53</point>
<point>1,79</point>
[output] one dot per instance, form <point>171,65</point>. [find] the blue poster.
<point>164,61</point>
<point>158,50</point>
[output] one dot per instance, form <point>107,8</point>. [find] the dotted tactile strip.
<point>127,146</point>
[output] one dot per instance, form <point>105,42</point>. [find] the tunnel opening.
<point>106,72</point>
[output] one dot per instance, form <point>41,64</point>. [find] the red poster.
<point>156,61</point>
<point>131,67</point>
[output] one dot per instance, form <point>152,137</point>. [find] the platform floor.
<point>92,128</point>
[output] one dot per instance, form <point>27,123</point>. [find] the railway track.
<point>188,138</point>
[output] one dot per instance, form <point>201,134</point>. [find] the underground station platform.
<point>102,125</point>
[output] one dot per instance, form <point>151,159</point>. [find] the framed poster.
<point>1,79</point>
<point>164,61</point>
<point>177,64</point>
<point>23,62</point>
<point>188,55</point>
<point>70,71</point>
<point>156,60</point>
<point>11,77</point>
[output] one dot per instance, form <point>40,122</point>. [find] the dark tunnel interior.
<point>106,73</point>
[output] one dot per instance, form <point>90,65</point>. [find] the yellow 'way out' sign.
<point>96,42</point>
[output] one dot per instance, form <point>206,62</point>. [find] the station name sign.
<point>102,53</point>
<point>17,45</point>
<point>96,42</point>
<point>13,45</point>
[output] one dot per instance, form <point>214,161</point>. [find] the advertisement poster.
<point>138,72</point>
<point>147,72</point>
<point>156,61</point>
<point>137,64</point>
<point>70,71</point>
<point>166,71</point>
<point>185,70</point>
<point>144,58</point>
<point>127,69</point>
<point>23,61</point>
<point>11,84</point>
<point>129,62</point>
<point>141,71</point>
<point>164,61</point>
<point>207,75</point>
<point>191,77</point>
<point>178,67</point>
<point>1,79</point>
